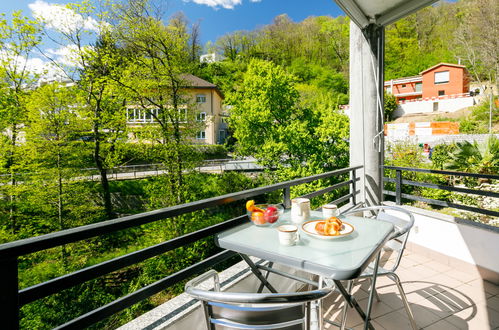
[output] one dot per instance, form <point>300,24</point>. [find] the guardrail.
<point>400,181</point>
<point>147,170</point>
<point>12,299</point>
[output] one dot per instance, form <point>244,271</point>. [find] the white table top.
<point>340,259</point>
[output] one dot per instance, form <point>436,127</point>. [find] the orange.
<point>250,205</point>
<point>258,218</point>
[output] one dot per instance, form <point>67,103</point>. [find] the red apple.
<point>271,214</point>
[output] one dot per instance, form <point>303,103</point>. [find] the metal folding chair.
<point>230,310</point>
<point>396,244</point>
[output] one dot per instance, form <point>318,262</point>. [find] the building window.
<point>148,116</point>
<point>182,115</point>
<point>141,115</point>
<point>403,85</point>
<point>222,135</point>
<point>419,87</point>
<point>201,135</point>
<point>441,93</point>
<point>441,77</point>
<point>200,98</point>
<point>201,116</point>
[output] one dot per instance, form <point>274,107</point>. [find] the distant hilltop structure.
<point>211,58</point>
<point>444,87</point>
<point>443,79</point>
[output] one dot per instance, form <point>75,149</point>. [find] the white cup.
<point>300,210</point>
<point>329,210</point>
<point>288,234</point>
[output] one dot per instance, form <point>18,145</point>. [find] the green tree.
<point>298,135</point>
<point>157,80</point>
<point>92,58</point>
<point>475,157</point>
<point>390,106</point>
<point>56,156</point>
<point>18,40</point>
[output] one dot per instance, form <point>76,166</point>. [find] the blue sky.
<point>216,17</point>
<point>216,20</point>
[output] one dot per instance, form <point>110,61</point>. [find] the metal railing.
<point>400,181</point>
<point>130,172</point>
<point>12,299</point>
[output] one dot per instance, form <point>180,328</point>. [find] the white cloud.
<point>227,4</point>
<point>46,70</point>
<point>66,55</point>
<point>61,18</point>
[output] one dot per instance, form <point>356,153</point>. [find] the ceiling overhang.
<point>380,12</point>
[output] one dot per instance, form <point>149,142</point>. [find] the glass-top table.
<point>342,258</point>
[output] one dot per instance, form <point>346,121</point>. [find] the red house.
<point>439,80</point>
<point>445,79</point>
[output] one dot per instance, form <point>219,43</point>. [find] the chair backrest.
<point>402,225</point>
<point>230,310</point>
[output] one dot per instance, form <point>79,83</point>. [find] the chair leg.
<point>378,299</point>
<point>345,307</point>
<point>396,279</point>
<point>308,315</point>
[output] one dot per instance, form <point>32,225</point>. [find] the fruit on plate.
<point>271,214</point>
<point>258,218</point>
<point>329,227</point>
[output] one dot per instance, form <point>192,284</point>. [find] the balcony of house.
<point>449,270</point>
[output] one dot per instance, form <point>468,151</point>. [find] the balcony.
<point>450,270</point>
<point>440,296</point>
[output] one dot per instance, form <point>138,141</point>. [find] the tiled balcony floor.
<point>440,298</point>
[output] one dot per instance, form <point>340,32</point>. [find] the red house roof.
<point>440,64</point>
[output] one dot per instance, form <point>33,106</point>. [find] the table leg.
<point>260,289</point>
<point>257,273</point>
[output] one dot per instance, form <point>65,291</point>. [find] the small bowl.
<point>266,219</point>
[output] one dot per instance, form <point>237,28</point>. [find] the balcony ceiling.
<point>380,12</point>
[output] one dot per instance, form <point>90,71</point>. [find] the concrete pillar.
<point>366,119</point>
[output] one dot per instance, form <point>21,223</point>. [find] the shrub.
<point>216,151</point>
<point>390,106</point>
<point>440,155</point>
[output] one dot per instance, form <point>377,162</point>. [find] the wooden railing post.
<point>398,187</point>
<point>286,197</point>
<point>9,295</point>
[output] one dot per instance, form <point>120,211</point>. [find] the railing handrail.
<point>43,242</point>
<point>443,172</point>
<point>400,181</point>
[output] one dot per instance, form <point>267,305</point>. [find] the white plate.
<point>309,228</point>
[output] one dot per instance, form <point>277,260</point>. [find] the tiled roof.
<point>195,81</point>
<point>404,79</point>
<point>447,64</point>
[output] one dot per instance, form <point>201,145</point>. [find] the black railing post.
<point>398,187</point>
<point>286,197</point>
<point>9,295</point>
<point>354,188</point>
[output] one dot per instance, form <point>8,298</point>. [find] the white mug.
<point>300,209</point>
<point>329,210</point>
<point>288,235</point>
